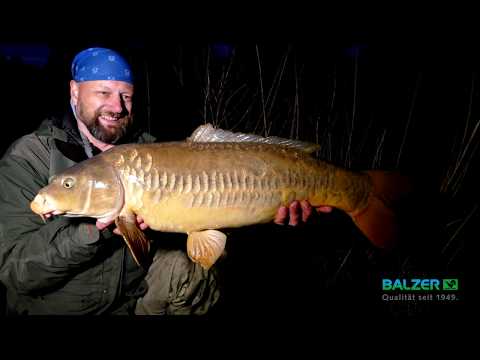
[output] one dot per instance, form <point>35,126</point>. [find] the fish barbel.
<point>202,185</point>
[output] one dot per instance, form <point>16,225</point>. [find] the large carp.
<point>216,179</point>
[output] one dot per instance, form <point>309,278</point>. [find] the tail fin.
<point>379,220</point>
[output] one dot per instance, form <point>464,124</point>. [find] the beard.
<point>107,134</point>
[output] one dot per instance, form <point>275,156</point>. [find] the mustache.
<point>116,115</point>
<point>111,114</point>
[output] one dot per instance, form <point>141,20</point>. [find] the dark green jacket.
<point>64,266</point>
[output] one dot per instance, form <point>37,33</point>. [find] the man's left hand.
<point>297,212</point>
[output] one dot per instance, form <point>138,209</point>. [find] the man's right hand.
<point>140,222</point>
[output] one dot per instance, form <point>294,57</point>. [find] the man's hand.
<point>298,211</point>
<point>101,225</point>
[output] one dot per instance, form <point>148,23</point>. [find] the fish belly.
<point>192,212</point>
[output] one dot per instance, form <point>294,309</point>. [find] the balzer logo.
<point>450,284</point>
<point>419,284</point>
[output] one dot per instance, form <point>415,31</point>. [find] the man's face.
<point>104,106</point>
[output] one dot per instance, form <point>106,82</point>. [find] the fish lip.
<point>45,215</point>
<point>68,214</point>
<point>51,213</point>
<point>42,206</point>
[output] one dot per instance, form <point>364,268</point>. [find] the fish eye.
<point>68,182</point>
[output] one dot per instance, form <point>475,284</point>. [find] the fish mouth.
<point>60,212</point>
<point>70,214</point>
<point>41,206</point>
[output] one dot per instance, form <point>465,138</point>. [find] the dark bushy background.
<point>401,90</point>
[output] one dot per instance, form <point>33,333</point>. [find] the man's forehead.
<point>114,85</point>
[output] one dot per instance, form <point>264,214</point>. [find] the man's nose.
<point>116,104</point>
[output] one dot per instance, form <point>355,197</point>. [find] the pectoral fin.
<point>205,247</point>
<point>136,241</point>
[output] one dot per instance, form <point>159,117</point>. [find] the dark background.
<point>411,90</point>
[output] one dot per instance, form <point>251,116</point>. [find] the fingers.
<point>324,209</point>
<point>294,213</point>
<point>101,225</point>
<point>298,212</point>
<point>141,223</point>
<point>306,210</point>
<point>143,226</point>
<point>281,215</point>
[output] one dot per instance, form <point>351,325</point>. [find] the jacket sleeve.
<point>37,256</point>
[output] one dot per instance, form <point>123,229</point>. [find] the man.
<point>76,265</point>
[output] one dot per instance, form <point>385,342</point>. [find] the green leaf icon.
<point>450,284</point>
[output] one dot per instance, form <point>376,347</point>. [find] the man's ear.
<point>74,91</point>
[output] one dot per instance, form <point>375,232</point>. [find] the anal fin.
<point>135,239</point>
<point>205,247</point>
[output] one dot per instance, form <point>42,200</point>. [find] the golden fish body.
<point>184,187</point>
<point>198,187</point>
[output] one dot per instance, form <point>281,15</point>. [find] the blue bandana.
<point>100,64</point>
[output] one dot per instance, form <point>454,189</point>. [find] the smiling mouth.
<point>109,120</point>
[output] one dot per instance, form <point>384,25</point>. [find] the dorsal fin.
<point>207,133</point>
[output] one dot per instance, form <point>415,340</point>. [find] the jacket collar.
<point>63,128</point>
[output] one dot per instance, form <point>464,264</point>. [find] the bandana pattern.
<point>100,64</point>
